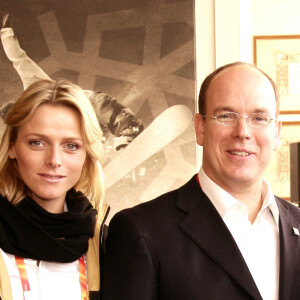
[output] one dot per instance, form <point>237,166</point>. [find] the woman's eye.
<point>72,147</point>
<point>35,143</point>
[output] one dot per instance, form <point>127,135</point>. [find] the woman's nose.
<point>54,158</point>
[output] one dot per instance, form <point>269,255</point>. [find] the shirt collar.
<point>223,201</point>
<point>270,202</point>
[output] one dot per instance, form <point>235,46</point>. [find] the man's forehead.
<point>233,75</point>
<point>238,70</point>
<point>241,85</point>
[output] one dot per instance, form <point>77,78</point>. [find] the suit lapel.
<point>205,227</point>
<point>289,248</point>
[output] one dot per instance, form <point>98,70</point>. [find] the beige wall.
<point>275,17</point>
<point>224,29</point>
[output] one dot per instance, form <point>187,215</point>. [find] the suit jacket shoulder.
<point>293,210</point>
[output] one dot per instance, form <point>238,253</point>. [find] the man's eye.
<point>260,118</point>
<point>225,116</point>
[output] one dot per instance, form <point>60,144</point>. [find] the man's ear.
<point>277,135</point>
<point>199,128</point>
<point>11,152</point>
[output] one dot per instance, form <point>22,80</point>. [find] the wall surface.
<point>277,17</point>
<point>224,29</point>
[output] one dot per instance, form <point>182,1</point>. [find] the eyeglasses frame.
<point>239,119</point>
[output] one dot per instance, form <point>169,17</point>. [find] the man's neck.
<point>252,196</point>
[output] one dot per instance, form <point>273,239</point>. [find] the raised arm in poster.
<point>112,116</point>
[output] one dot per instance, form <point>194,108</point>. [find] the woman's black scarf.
<point>27,230</point>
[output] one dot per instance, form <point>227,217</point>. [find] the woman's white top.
<point>47,280</point>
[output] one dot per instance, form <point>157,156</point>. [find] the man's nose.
<point>241,130</point>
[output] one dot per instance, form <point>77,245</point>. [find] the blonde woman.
<point>51,190</point>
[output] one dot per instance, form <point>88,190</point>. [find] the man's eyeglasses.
<point>229,118</point>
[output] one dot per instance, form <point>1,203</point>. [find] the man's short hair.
<point>208,79</point>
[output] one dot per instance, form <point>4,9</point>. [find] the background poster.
<point>139,51</point>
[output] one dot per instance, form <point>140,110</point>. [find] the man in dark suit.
<point>223,235</point>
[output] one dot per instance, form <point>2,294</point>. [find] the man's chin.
<point>243,178</point>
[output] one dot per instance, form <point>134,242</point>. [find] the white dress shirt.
<point>258,242</point>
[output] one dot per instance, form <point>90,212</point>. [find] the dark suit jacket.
<point>178,247</point>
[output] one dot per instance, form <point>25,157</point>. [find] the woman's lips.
<point>51,177</point>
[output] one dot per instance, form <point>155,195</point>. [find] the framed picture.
<point>290,118</point>
<point>279,57</point>
<point>142,61</point>
<point>278,171</point>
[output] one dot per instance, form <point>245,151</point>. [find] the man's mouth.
<point>239,153</point>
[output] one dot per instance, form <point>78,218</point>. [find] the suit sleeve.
<point>128,271</point>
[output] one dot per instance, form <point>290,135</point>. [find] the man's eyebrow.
<point>262,110</point>
<point>230,109</point>
<point>223,108</point>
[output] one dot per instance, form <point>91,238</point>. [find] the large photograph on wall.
<point>135,59</point>
<point>279,57</point>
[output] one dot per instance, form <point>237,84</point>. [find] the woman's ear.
<point>11,152</point>
<point>199,128</point>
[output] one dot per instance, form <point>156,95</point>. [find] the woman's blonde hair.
<point>60,92</point>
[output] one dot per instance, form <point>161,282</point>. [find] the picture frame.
<point>278,171</point>
<point>143,63</point>
<point>279,57</point>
